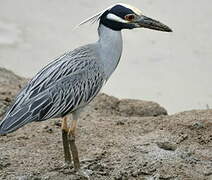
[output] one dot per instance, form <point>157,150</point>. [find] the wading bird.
<point>70,82</point>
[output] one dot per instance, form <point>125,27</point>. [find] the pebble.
<point>169,146</point>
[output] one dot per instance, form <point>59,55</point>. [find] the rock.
<point>4,162</point>
<point>131,107</point>
<point>106,104</point>
<point>169,146</point>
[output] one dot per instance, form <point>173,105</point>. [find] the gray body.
<point>68,83</point>
<point>71,81</point>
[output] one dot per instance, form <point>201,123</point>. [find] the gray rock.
<point>106,104</point>
<point>131,107</point>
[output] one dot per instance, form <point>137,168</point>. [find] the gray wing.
<point>69,82</point>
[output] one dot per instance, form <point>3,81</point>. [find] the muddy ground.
<point>116,139</point>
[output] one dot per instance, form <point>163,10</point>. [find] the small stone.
<point>7,99</point>
<point>169,146</point>
<point>198,125</point>
<point>22,137</point>
<point>57,123</point>
<point>45,127</point>
<point>119,123</point>
<point>49,130</point>
<point>37,178</point>
<point>135,174</point>
<point>22,178</point>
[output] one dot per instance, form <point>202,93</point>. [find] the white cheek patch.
<point>116,18</point>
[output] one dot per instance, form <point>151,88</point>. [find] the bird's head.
<point>122,16</point>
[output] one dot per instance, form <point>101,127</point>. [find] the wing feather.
<point>69,82</point>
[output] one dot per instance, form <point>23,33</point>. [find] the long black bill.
<point>149,23</point>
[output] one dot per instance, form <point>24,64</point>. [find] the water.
<point>173,69</point>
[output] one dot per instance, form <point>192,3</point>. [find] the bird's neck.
<point>110,48</point>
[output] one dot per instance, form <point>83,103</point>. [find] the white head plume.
<point>94,18</point>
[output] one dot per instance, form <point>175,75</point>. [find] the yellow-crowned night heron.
<point>70,82</point>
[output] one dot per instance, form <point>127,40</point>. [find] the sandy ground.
<point>117,139</point>
<point>173,68</point>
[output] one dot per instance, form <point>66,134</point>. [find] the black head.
<point>122,16</point>
<point>114,18</point>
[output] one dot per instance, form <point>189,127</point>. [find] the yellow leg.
<point>65,141</point>
<point>73,146</point>
<point>73,127</point>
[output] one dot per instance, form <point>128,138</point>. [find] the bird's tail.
<point>13,122</point>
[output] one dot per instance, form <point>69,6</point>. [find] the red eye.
<point>130,17</point>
